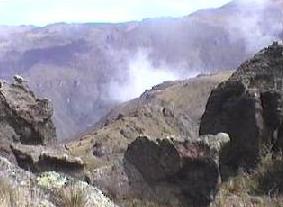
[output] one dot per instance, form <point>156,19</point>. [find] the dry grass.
<point>262,188</point>
<point>19,196</point>
<point>141,203</point>
<point>9,197</point>
<point>14,197</point>
<point>72,196</point>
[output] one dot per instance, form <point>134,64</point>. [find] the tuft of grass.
<point>72,196</point>
<point>8,195</point>
<point>15,196</point>
<point>269,176</point>
<point>261,188</point>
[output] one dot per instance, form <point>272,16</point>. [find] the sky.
<point>43,12</point>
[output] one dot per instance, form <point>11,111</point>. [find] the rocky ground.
<point>215,140</point>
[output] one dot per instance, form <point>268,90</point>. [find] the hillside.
<point>169,109</point>
<point>85,68</point>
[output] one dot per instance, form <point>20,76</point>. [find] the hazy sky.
<point>42,12</point>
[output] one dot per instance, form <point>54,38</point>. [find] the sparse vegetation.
<point>139,203</point>
<point>8,195</point>
<point>15,196</point>
<point>72,196</point>
<point>261,188</point>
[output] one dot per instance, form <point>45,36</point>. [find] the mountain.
<point>86,69</point>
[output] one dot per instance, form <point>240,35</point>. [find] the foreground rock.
<point>23,117</point>
<point>90,196</point>
<point>50,189</point>
<point>40,158</point>
<point>249,108</point>
<point>187,171</point>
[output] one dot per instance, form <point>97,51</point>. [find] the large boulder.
<point>185,170</point>
<point>23,117</point>
<point>248,107</point>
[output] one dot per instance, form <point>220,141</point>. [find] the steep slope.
<point>85,68</point>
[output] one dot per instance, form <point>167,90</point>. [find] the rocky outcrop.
<point>49,189</point>
<point>187,170</point>
<point>40,158</point>
<point>23,117</point>
<point>249,108</point>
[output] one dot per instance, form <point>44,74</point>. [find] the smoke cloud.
<point>257,22</point>
<point>141,76</point>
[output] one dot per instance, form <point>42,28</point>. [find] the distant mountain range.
<point>86,69</point>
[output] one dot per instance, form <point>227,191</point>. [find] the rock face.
<point>188,170</point>
<point>23,117</point>
<point>249,108</point>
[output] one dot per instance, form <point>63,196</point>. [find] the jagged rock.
<point>23,117</point>
<point>189,170</point>
<point>249,108</point>
<point>40,158</point>
<point>19,79</point>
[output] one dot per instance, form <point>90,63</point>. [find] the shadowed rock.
<point>249,108</point>
<point>23,117</point>
<point>189,170</point>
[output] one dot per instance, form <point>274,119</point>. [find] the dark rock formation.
<point>249,108</point>
<point>23,117</point>
<point>189,170</point>
<point>40,158</point>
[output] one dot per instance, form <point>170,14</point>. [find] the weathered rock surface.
<point>23,117</point>
<point>249,108</point>
<point>41,158</point>
<point>93,196</point>
<point>44,190</point>
<point>187,170</point>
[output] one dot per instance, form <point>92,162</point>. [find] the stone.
<point>40,158</point>
<point>188,169</point>
<point>93,196</point>
<point>19,79</point>
<point>23,117</point>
